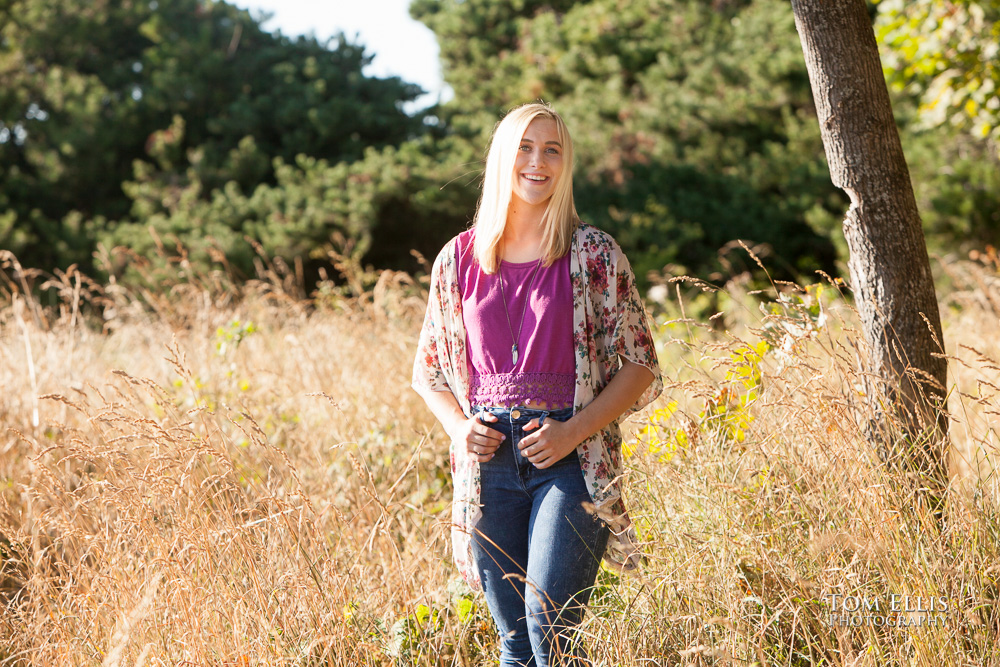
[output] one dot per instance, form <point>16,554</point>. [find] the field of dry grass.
<point>223,476</point>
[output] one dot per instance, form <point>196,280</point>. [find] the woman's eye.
<point>525,148</point>
<point>552,151</point>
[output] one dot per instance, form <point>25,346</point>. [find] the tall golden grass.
<point>212,474</point>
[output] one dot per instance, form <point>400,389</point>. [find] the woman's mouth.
<point>535,178</point>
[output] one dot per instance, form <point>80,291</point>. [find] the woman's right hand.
<point>480,440</point>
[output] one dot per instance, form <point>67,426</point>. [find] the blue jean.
<point>536,548</point>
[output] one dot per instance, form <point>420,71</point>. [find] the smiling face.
<point>527,198</point>
<point>539,163</point>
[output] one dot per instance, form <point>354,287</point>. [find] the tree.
<point>391,192</point>
<point>889,266</point>
<point>692,121</point>
<point>85,87</point>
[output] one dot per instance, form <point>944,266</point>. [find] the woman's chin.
<point>532,199</point>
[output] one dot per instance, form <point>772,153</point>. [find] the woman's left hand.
<point>549,444</point>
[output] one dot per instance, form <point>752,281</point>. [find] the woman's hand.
<point>554,440</point>
<point>470,432</point>
<point>550,443</point>
<point>480,440</point>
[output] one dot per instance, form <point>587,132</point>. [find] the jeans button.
<point>515,414</point>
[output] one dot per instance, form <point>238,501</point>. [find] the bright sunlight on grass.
<point>242,476</point>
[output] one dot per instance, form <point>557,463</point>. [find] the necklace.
<point>527,298</point>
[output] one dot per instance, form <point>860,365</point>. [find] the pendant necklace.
<point>527,299</point>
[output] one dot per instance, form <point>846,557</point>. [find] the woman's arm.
<point>480,440</point>
<point>429,378</point>
<point>555,440</point>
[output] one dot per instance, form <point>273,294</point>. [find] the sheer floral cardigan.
<point>609,322</point>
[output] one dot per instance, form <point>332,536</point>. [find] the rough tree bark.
<point>890,270</point>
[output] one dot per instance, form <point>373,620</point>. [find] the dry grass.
<point>243,477</point>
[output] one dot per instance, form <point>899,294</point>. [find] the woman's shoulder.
<point>594,240</point>
<point>464,241</point>
<point>456,246</point>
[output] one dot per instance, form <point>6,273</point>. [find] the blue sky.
<point>402,47</point>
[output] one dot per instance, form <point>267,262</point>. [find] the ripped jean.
<point>536,548</point>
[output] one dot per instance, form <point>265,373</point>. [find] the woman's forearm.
<point>544,445</point>
<point>445,408</point>
<point>618,396</point>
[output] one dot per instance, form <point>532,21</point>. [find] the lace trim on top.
<point>509,389</point>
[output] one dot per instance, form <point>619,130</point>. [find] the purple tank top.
<point>545,370</point>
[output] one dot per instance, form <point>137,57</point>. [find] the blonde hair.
<point>559,219</point>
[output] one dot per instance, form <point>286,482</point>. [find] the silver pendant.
<point>513,352</point>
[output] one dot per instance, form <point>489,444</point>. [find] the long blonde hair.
<point>559,219</point>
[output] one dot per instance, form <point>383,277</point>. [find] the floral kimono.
<point>609,322</point>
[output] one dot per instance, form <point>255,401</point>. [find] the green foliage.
<point>956,179</point>
<point>86,90</point>
<point>940,63</point>
<point>946,53</point>
<point>185,133</point>
<point>314,208</point>
<point>482,50</point>
<point>409,634</point>
<point>729,408</point>
<point>429,633</point>
<point>693,124</point>
<point>229,337</point>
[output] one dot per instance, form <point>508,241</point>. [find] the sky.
<point>402,46</point>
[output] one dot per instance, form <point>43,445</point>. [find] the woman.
<point>534,345</point>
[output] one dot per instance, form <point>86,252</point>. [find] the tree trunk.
<point>890,270</point>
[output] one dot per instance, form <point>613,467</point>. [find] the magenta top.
<point>545,370</point>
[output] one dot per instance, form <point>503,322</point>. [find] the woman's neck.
<point>522,236</point>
